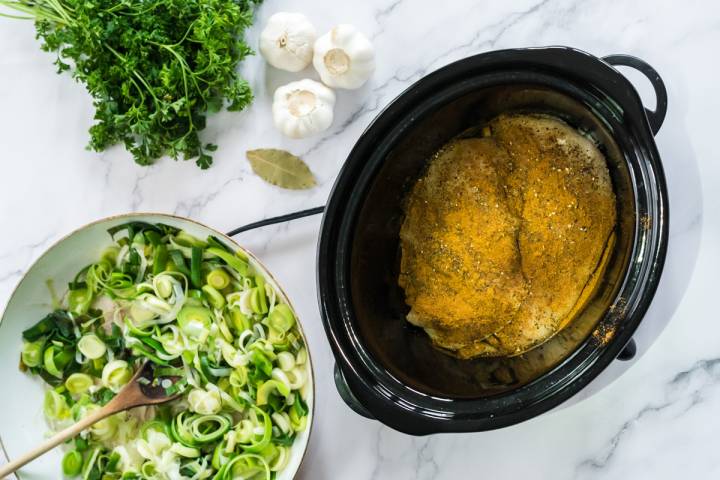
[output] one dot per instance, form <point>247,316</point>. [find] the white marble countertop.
<point>658,420</point>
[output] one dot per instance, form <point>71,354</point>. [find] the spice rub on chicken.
<point>505,236</point>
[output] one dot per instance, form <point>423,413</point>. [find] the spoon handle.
<point>56,440</point>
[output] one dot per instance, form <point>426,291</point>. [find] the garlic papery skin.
<point>302,109</point>
<point>344,58</point>
<point>287,41</point>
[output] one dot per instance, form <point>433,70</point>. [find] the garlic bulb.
<point>304,108</point>
<point>344,57</point>
<point>287,41</point>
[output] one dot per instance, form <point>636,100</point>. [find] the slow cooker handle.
<point>348,396</point>
<point>657,116</point>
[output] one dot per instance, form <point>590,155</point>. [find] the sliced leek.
<point>202,314</point>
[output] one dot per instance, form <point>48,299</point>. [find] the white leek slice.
<point>130,460</point>
<point>183,451</point>
<point>282,377</point>
<point>154,446</point>
<point>116,374</point>
<point>281,459</point>
<point>91,346</point>
<point>55,407</point>
<point>121,256</point>
<point>286,360</point>
<point>244,303</point>
<point>78,383</point>
<point>301,357</point>
<point>204,402</point>
<point>104,429</point>
<point>297,377</point>
<point>140,250</point>
<point>282,421</point>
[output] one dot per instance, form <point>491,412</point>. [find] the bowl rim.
<point>233,242</point>
<point>376,394</point>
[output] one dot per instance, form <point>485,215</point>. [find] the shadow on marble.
<point>686,216</point>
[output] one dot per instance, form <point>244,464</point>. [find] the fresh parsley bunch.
<point>153,67</point>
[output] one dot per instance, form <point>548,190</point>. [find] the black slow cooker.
<point>386,368</point>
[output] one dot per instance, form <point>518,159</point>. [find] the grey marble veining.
<point>654,418</point>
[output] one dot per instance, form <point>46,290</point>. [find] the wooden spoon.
<point>134,394</point>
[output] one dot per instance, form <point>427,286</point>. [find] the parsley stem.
<point>57,6</point>
<point>187,101</point>
<point>140,90</point>
<point>187,32</point>
<point>183,68</point>
<point>135,12</point>
<point>36,11</point>
<point>134,72</point>
<point>18,17</point>
<point>183,65</point>
<point>142,80</point>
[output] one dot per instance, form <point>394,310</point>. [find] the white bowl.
<point>22,425</point>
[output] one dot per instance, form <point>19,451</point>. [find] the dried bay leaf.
<point>281,168</point>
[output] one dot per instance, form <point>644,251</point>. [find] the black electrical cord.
<point>274,220</point>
